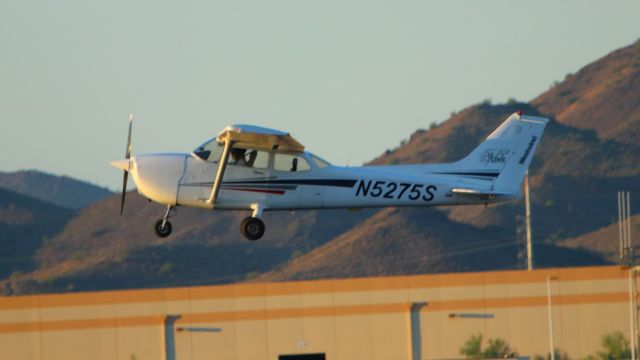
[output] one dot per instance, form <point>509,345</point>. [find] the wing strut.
<point>222,166</point>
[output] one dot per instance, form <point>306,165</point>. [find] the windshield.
<point>209,151</point>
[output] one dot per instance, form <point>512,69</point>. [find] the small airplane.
<point>258,169</point>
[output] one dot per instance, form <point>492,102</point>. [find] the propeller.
<point>127,155</point>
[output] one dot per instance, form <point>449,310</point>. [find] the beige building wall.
<point>406,317</point>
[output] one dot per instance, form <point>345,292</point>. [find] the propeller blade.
<point>127,154</point>
<point>124,190</point>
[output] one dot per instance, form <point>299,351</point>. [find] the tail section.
<point>506,153</point>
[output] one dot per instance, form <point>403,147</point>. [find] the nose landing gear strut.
<point>163,226</point>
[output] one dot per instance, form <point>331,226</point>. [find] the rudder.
<point>507,152</point>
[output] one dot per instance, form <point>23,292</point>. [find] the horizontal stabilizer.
<point>480,194</point>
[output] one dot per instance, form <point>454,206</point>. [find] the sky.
<point>348,79</point>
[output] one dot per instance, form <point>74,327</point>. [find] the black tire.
<point>163,232</point>
<point>252,228</point>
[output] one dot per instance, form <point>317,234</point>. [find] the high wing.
<point>254,137</point>
<point>260,138</point>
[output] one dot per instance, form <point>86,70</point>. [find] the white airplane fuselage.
<point>186,180</point>
<point>265,170</point>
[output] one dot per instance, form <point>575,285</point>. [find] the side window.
<point>319,162</point>
<point>261,160</point>
<point>249,158</point>
<point>293,163</point>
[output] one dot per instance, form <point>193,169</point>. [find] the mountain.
<point>417,241</point>
<point>98,249</point>
<point>602,96</point>
<point>575,175</point>
<point>26,224</point>
<point>60,190</point>
<point>588,152</point>
<point>605,240</point>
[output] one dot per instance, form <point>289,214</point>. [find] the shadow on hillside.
<point>25,226</point>
<point>168,265</point>
<point>566,206</point>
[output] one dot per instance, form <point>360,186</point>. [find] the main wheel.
<point>160,231</point>
<point>252,228</point>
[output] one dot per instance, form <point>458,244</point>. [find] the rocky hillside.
<point>26,224</point>
<point>574,176</point>
<point>99,249</point>
<point>602,96</point>
<point>418,241</point>
<point>588,152</point>
<point>605,240</point>
<point>59,190</point>
<point>574,180</point>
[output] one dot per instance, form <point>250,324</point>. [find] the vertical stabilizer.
<point>507,152</point>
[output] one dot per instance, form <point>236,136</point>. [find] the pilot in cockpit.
<point>239,157</point>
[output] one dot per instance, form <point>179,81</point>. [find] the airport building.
<point>400,317</point>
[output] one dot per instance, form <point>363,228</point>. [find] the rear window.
<point>292,163</point>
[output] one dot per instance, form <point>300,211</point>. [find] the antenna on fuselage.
<point>350,159</point>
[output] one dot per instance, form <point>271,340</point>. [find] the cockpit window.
<point>293,163</point>
<point>250,158</point>
<point>319,162</point>
<point>212,151</point>
<point>209,151</point>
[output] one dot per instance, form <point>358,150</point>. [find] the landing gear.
<point>163,230</point>
<point>163,226</point>
<point>252,228</point>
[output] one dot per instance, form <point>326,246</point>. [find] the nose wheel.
<point>252,228</point>
<point>163,226</point>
